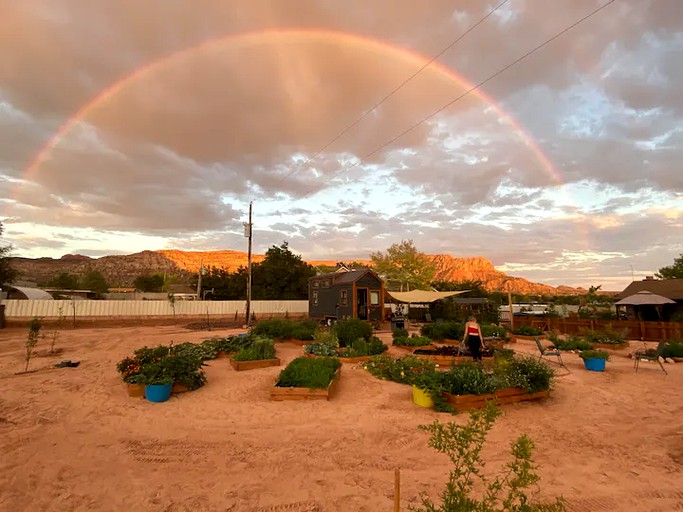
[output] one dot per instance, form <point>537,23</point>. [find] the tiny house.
<point>357,293</point>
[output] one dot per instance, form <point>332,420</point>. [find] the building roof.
<point>346,277</point>
<point>422,296</point>
<point>644,298</point>
<point>669,288</point>
<point>32,293</point>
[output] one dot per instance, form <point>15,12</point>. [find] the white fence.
<point>147,308</point>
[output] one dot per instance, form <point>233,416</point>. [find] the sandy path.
<point>72,440</point>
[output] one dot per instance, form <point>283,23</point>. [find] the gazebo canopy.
<point>644,298</point>
<point>422,296</point>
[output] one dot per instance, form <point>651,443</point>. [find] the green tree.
<point>149,283</point>
<point>674,271</point>
<point>95,281</point>
<point>225,285</point>
<point>8,274</point>
<point>64,281</point>
<point>282,275</point>
<point>403,266</point>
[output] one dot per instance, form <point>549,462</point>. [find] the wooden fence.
<point>636,330</point>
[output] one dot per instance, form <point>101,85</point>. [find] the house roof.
<point>643,298</point>
<point>346,277</point>
<point>669,288</point>
<point>422,296</point>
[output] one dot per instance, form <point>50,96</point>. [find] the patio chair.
<point>550,351</point>
<point>642,355</point>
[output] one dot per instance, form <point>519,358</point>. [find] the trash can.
<point>2,316</point>
<point>397,324</point>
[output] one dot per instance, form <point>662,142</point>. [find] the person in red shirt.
<point>474,338</point>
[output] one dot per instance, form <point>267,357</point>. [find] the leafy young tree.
<point>403,265</point>
<point>65,281</point>
<point>282,275</point>
<point>674,271</point>
<point>8,274</point>
<point>149,283</point>
<point>95,281</point>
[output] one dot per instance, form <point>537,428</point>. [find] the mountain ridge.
<point>121,270</point>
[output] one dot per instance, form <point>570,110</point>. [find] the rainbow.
<point>270,37</point>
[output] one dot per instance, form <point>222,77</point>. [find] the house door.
<point>362,303</point>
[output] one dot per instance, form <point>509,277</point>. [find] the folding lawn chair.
<point>550,351</point>
<point>642,355</point>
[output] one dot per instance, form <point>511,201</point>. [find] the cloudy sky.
<point>134,125</point>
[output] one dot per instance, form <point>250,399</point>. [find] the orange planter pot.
<point>280,393</point>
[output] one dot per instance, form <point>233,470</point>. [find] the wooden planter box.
<point>294,341</point>
<point>135,390</point>
<point>179,388</point>
<point>359,359</point>
<point>280,393</point>
<point>611,346</point>
<point>453,360</point>
<point>502,396</point>
<point>411,348</point>
<point>253,365</point>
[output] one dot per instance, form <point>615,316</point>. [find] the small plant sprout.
<point>54,334</point>
<point>34,327</point>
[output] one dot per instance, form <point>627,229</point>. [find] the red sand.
<point>72,440</point>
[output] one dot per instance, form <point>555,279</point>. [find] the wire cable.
<point>391,93</point>
<point>444,107</point>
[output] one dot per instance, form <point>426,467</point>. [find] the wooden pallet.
<point>253,365</point>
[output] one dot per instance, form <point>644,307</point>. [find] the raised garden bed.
<point>253,365</point>
<point>357,359</point>
<point>279,393</point>
<point>502,396</point>
<point>448,355</point>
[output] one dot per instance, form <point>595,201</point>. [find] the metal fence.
<point>20,309</point>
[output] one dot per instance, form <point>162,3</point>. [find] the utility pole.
<point>199,279</point>
<point>247,233</point>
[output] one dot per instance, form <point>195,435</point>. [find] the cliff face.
<point>122,270</point>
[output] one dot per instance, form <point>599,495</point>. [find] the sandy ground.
<point>72,440</point>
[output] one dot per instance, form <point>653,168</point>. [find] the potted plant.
<point>157,381</point>
<point>594,360</point>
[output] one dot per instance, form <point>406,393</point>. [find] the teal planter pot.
<point>158,392</point>
<point>595,365</point>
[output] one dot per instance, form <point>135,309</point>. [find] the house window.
<point>343,297</point>
<point>374,298</point>
<point>315,297</point>
<point>316,284</point>
<point>327,283</point>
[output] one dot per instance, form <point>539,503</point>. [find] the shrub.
<point>413,341</point>
<point>527,330</point>
<point>351,329</point>
<point>673,349</point>
<point>326,336</point>
<point>572,343</point>
<point>262,348</point>
<point>403,370</point>
<point>443,330</point>
<point>304,372</point>
<point>492,331</point>
<point>398,334</point>
<point>360,347</point>
<point>594,354</point>
<point>468,379</point>
<point>321,349</point>
<point>34,327</point>
<point>230,344</point>
<point>203,351</point>
<point>163,363</point>
<point>276,328</point>
<point>529,374</point>
<point>304,330</point>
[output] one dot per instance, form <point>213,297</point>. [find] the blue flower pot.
<point>595,365</point>
<point>158,392</point>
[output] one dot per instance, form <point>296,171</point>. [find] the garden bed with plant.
<point>606,339</point>
<point>307,379</point>
<point>526,332</point>
<point>465,386</point>
<point>673,350</point>
<point>259,354</point>
<point>351,341</point>
<point>281,329</point>
<point>402,340</point>
<point>450,355</point>
<point>162,366</point>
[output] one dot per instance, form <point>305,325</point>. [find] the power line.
<point>444,107</point>
<point>394,91</point>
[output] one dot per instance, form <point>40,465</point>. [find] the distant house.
<point>346,294</point>
<point>669,288</point>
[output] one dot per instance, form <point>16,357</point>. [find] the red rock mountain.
<point>122,270</point>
